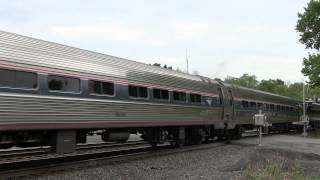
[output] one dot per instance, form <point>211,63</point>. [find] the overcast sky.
<point>223,37</point>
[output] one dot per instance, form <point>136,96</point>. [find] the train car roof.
<point>259,92</point>
<point>21,49</point>
<point>83,54</point>
<point>31,51</point>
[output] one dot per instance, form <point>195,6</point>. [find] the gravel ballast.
<point>221,162</point>
<point>215,163</point>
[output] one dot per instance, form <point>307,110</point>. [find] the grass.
<point>275,168</point>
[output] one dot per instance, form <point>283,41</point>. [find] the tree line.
<point>277,86</point>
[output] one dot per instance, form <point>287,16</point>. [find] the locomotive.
<point>57,95</point>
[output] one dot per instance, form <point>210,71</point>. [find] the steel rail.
<point>88,155</point>
<point>88,159</point>
<point>46,149</point>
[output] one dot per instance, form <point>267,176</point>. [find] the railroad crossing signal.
<point>260,120</point>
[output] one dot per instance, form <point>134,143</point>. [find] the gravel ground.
<point>201,164</point>
<point>222,162</point>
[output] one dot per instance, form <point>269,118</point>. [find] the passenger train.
<point>49,91</point>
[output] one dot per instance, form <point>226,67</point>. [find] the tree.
<point>308,26</point>
<point>245,80</point>
<point>274,86</point>
<point>312,69</point>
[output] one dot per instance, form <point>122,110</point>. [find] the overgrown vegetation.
<point>276,86</point>
<point>275,168</point>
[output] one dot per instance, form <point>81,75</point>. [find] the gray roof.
<point>22,49</point>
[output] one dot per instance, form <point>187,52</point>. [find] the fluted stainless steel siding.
<point>21,49</point>
<point>45,109</point>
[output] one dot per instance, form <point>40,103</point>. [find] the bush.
<point>275,168</point>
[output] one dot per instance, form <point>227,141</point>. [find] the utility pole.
<point>187,60</point>
<point>304,118</point>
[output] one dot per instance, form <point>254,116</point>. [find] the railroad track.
<point>19,162</point>
<point>23,151</point>
<point>45,150</point>
<point>49,163</point>
<point>28,164</point>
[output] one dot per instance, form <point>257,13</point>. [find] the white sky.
<point>223,37</point>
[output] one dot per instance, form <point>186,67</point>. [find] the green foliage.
<point>312,69</point>
<point>245,80</point>
<point>309,25</point>
<point>277,86</point>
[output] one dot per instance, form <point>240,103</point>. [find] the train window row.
<point>28,80</point>
<point>195,98</point>
<point>179,96</point>
<point>161,94</point>
<point>103,88</point>
<point>18,79</point>
<point>265,106</point>
<point>63,84</point>
<point>138,91</point>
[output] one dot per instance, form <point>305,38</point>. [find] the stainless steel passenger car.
<point>47,88</point>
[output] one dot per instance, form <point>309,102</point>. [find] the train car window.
<point>278,108</point>
<point>98,87</point>
<point>220,96</point>
<point>220,100</point>
<point>160,94</point>
<point>260,106</point>
<point>18,79</point>
<point>214,101</point>
<point>64,84</point>
<point>179,96</point>
<point>195,98</point>
<point>253,105</point>
<point>267,106</point>
<point>291,109</point>
<point>272,107</point>
<point>143,92</point>
<point>138,91</point>
<point>245,104</point>
<point>287,108</point>
<point>283,108</point>
<point>230,97</point>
